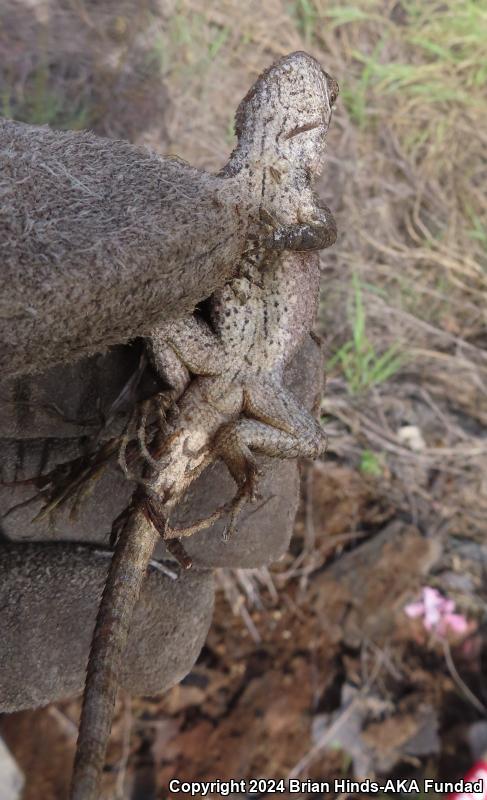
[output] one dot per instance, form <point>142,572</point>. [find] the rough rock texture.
<point>49,595</point>
<point>99,239</point>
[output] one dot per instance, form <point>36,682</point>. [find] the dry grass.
<point>407,168</point>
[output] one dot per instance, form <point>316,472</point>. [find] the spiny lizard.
<point>236,405</point>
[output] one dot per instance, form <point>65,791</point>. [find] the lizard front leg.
<point>314,233</point>
<point>192,340</point>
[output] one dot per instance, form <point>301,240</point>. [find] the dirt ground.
<point>314,669</point>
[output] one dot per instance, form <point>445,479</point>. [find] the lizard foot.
<point>315,230</point>
<point>246,493</point>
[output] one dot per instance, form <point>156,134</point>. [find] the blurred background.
<point>364,651</point>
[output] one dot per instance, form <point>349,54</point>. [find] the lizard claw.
<point>315,229</point>
<point>315,235</point>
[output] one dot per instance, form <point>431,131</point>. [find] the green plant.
<point>361,365</point>
<point>478,231</point>
<point>305,13</point>
<point>371,463</point>
<point>431,60</point>
<point>189,44</point>
<point>230,131</point>
<point>356,96</point>
<point>219,39</point>
<point>343,15</point>
<point>42,104</point>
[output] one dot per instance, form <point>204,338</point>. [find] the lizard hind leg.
<point>243,467</point>
<point>233,507</point>
<point>230,446</point>
<point>240,461</point>
<point>233,444</point>
<point>280,428</point>
<point>155,511</point>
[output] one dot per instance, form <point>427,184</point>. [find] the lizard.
<point>235,405</point>
<point>101,239</point>
<point>266,184</point>
<point>266,180</point>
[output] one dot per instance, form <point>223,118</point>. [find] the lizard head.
<point>283,120</point>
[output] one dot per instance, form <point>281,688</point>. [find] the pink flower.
<point>437,613</point>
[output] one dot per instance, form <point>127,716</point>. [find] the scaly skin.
<point>257,324</point>
<point>236,405</point>
<point>142,239</point>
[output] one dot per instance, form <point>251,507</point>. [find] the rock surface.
<point>49,595</point>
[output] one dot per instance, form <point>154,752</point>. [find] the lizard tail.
<point>122,589</point>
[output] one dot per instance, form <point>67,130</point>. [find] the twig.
<point>469,695</point>
<point>65,723</point>
<point>237,603</point>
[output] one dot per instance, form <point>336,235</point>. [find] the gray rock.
<point>49,595</point>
